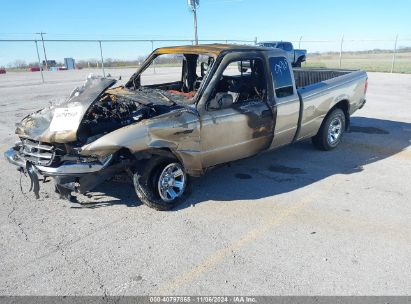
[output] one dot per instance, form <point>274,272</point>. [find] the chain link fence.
<point>374,55</point>
<point>88,53</point>
<point>383,55</point>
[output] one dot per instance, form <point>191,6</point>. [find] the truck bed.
<point>319,89</point>
<point>305,77</point>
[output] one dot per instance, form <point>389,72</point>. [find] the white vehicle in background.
<point>295,56</point>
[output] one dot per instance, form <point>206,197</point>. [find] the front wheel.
<point>331,132</point>
<point>161,184</point>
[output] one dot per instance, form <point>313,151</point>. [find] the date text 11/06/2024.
<point>203,299</point>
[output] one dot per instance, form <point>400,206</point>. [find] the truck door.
<point>236,121</point>
<point>288,47</point>
<point>286,101</point>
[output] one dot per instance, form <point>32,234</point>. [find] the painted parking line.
<point>220,255</point>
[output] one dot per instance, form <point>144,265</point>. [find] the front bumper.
<point>13,158</point>
<point>80,168</point>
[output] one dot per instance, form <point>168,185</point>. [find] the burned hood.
<point>59,123</point>
<point>119,107</point>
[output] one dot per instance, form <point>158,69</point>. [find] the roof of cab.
<point>211,49</point>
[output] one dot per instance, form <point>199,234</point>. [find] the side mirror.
<point>204,68</point>
<point>226,100</point>
<point>221,101</point>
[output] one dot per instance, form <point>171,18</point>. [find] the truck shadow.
<point>268,174</point>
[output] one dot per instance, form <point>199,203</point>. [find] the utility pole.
<point>102,59</point>
<point>341,49</point>
<point>44,48</point>
<point>394,53</point>
<point>195,22</point>
<point>193,5</point>
<point>38,57</point>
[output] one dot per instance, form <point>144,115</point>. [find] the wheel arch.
<point>320,139</point>
<point>344,105</point>
<point>191,166</point>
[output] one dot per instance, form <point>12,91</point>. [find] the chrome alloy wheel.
<point>172,182</point>
<point>334,130</point>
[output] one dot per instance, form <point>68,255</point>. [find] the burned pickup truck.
<point>221,103</point>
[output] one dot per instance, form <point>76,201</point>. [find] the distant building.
<point>69,63</point>
<point>50,63</point>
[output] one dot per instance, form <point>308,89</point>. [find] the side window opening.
<point>282,80</point>
<point>288,47</point>
<point>244,80</point>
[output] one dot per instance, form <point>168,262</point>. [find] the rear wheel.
<point>331,132</point>
<point>161,184</point>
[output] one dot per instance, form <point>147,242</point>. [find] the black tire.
<point>298,64</point>
<point>326,138</point>
<point>146,183</point>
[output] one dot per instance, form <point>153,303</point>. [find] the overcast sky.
<point>218,19</point>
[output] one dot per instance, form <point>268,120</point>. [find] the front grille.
<point>37,153</point>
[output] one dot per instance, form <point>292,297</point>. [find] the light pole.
<point>193,6</point>
<point>44,48</point>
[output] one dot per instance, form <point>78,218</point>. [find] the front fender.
<point>177,131</point>
<point>133,137</point>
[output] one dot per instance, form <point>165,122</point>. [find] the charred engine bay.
<point>119,107</point>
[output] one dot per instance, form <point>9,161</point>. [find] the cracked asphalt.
<point>295,221</point>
